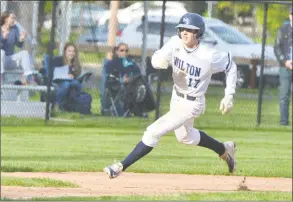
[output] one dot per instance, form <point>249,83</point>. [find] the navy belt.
<point>185,96</point>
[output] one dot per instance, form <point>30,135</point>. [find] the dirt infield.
<point>98,184</point>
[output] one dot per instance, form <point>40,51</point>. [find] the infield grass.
<point>51,148</point>
<point>243,196</point>
<point>35,182</point>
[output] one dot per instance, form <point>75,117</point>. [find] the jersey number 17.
<point>193,81</point>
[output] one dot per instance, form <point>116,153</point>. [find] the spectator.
<point>283,52</point>
<point>70,60</point>
<point>9,38</point>
<point>122,67</point>
<point>126,67</point>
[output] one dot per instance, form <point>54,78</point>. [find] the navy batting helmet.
<point>192,21</point>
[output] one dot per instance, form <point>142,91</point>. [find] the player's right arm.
<point>162,57</point>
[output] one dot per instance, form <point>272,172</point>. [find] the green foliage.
<point>228,11</point>
<point>275,17</point>
<point>48,7</point>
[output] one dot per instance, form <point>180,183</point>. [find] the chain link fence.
<point>235,27</point>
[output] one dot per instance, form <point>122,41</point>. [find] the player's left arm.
<point>222,62</point>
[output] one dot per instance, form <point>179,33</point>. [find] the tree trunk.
<point>41,17</point>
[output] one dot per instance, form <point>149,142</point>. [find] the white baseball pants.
<point>179,119</point>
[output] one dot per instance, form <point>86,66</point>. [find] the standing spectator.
<point>283,52</point>
<point>70,59</point>
<point>9,38</point>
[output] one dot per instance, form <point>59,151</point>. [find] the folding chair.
<point>113,97</point>
<point>138,97</point>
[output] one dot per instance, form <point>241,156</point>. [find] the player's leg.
<point>189,135</point>
<point>167,123</point>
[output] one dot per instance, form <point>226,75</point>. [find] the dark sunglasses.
<point>123,50</point>
<point>194,31</point>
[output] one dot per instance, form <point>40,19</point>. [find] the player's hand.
<point>226,104</point>
<point>288,64</point>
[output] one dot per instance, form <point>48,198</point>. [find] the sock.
<point>211,143</point>
<point>138,152</point>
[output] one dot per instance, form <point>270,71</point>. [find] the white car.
<point>136,10</point>
<point>218,34</point>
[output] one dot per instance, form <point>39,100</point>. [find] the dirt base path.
<point>98,184</point>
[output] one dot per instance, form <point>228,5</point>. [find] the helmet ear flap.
<point>199,35</point>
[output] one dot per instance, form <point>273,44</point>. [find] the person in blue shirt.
<point>283,52</point>
<point>9,38</point>
<point>123,68</point>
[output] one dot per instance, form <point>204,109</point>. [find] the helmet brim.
<point>187,26</point>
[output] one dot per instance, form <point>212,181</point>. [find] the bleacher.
<point>15,99</point>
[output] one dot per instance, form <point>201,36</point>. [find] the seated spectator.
<point>123,68</point>
<point>71,62</point>
<point>9,38</point>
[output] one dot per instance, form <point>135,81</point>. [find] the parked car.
<point>98,35</point>
<point>136,10</point>
<point>83,15</point>
<point>218,34</point>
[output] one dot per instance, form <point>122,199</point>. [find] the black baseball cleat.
<point>229,155</point>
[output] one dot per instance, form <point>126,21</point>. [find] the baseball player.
<point>193,65</point>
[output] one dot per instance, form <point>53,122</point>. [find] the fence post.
<point>159,71</point>
<point>113,22</point>
<point>52,45</point>
<point>260,92</point>
<point>144,38</point>
<point>35,28</point>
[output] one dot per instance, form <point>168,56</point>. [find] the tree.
<point>41,19</point>
<point>230,11</point>
<point>196,6</point>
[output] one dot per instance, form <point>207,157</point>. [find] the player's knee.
<point>151,137</point>
<point>189,138</point>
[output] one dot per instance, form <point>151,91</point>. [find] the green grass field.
<point>243,196</point>
<point>90,149</point>
<point>61,149</point>
<point>88,143</point>
<point>35,182</point>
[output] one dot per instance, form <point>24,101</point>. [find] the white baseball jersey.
<point>193,69</point>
